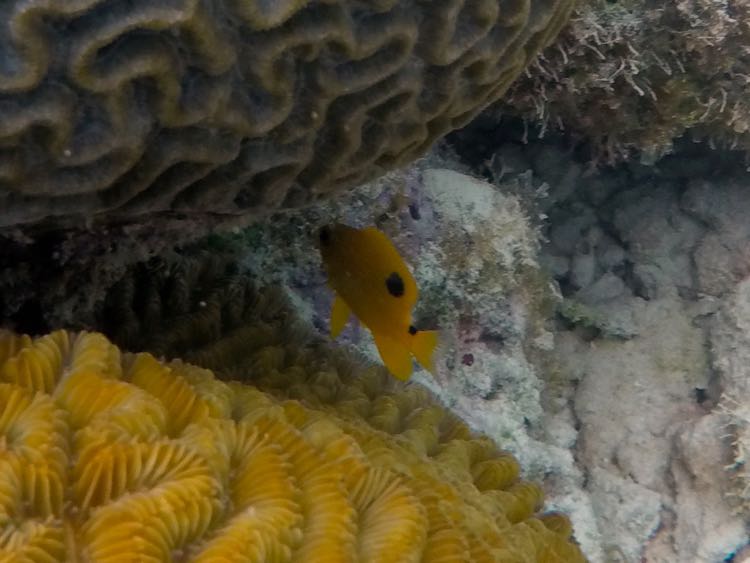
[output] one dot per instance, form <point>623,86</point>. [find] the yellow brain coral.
<point>110,456</point>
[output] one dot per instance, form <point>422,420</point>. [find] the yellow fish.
<point>371,280</point>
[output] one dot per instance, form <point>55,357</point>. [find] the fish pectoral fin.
<point>423,346</point>
<point>340,313</point>
<point>395,356</point>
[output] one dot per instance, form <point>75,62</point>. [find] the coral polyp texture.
<point>112,456</point>
<point>116,109</point>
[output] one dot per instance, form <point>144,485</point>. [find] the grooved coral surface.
<point>107,456</point>
<point>117,109</point>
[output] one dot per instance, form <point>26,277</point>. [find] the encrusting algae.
<point>112,456</point>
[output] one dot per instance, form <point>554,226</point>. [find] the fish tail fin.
<point>423,346</point>
<point>395,356</point>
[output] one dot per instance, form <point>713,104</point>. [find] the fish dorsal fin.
<point>395,356</point>
<point>340,313</point>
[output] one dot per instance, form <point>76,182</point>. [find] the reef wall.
<point>595,322</point>
<point>652,264</point>
<point>594,326</point>
<point>563,296</point>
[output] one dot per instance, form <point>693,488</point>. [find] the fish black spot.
<point>412,330</point>
<point>395,285</point>
<point>325,235</point>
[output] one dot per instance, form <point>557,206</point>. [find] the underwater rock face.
<point>730,345</point>
<point>111,110</point>
<point>658,343</point>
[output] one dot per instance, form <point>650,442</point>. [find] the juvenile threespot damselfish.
<point>371,280</point>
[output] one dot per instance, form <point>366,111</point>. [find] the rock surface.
<point>671,258</point>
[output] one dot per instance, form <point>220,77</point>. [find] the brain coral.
<point>111,456</point>
<point>114,109</point>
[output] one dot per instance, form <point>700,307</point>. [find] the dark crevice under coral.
<point>478,141</point>
<point>51,268</point>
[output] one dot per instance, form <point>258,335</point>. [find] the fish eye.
<point>395,284</point>
<point>412,330</point>
<point>325,235</point>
